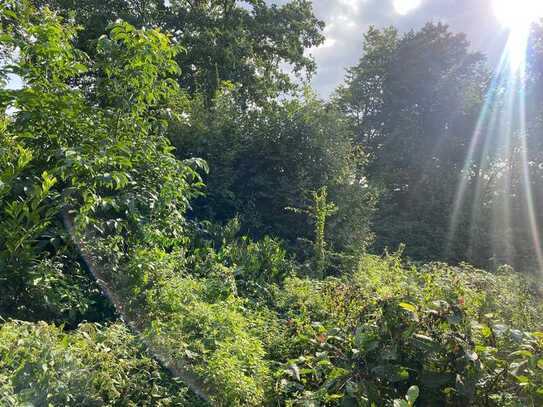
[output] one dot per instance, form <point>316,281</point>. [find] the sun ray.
<point>501,132</point>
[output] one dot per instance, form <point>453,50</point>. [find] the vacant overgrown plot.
<point>170,238</point>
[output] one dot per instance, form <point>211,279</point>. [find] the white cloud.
<point>353,5</point>
<point>348,20</point>
<point>406,6</point>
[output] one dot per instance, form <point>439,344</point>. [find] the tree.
<point>420,97</point>
<point>502,182</point>
<point>225,40</point>
<point>90,186</point>
<point>265,160</point>
<point>104,165</point>
<point>361,97</point>
<point>92,195</point>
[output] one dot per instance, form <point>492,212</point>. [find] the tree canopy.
<point>245,42</point>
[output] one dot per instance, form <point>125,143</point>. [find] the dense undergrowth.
<point>94,365</point>
<point>462,336</point>
<point>128,302</point>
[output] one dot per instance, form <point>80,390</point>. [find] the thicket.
<point>136,289</point>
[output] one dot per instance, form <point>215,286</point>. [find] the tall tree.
<point>361,97</point>
<point>500,217</point>
<point>420,97</point>
<point>245,42</point>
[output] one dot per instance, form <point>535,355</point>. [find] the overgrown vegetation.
<point>133,272</point>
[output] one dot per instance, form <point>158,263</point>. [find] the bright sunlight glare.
<point>517,16</point>
<point>502,127</point>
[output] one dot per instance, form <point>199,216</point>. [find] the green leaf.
<point>408,307</point>
<point>521,354</point>
<point>485,331</point>
<point>523,380</point>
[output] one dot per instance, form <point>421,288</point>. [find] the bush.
<point>463,336</point>
<point>89,187</point>
<point>95,365</point>
<point>267,159</point>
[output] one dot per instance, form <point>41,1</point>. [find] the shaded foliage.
<point>267,160</point>
<point>413,101</point>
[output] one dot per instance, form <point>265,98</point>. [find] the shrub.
<point>95,365</point>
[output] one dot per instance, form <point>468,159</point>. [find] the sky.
<point>347,20</point>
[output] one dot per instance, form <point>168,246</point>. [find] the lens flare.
<point>518,16</point>
<point>496,172</point>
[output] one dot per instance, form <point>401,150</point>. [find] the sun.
<point>518,15</point>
